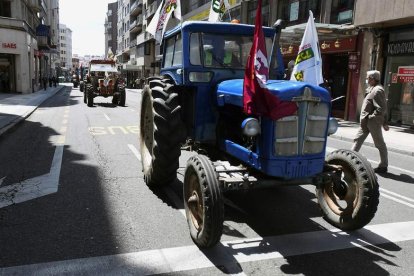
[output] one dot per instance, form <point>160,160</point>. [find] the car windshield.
<point>222,50</point>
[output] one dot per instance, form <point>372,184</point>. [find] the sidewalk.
<point>14,108</point>
<point>398,139</point>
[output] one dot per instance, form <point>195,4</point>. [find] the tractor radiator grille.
<point>295,138</point>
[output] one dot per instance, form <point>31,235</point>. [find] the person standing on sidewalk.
<point>373,119</point>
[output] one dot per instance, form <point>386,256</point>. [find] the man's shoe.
<point>381,170</point>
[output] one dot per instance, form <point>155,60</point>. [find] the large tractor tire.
<point>161,132</point>
<point>203,201</point>
<point>122,96</point>
<point>349,202</point>
<point>89,91</point>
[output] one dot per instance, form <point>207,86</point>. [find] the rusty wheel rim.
<point>348,203</point>
<point>195,203</point>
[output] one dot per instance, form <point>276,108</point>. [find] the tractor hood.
<point>231,91</point>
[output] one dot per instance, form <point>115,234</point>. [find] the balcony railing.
<point>136,7</point>
<point>132,43</point>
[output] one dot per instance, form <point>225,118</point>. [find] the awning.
<point>130,67</point>
<point>103,68</point>
<point>294,34</point>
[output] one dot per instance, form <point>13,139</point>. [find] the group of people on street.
<point>52,80</point>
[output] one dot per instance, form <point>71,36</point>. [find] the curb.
<point>370,144</point>
<point>17,120</point>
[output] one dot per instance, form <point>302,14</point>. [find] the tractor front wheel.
<point>350,200</point>
<point>203,201</point>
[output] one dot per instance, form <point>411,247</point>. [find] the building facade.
<point>53,53</point>
<point>111,31</point>
<point>65,48</point>
<point>19,54</point>
<point>389,48</point>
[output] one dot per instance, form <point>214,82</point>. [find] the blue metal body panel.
<point>226,88</point>
<point>206,97</point>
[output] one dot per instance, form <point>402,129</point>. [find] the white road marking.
<point>397,195</point>
<point>34,187</point>
<point>107,117</point>
<point>230,253</point>
<point>135,151</point>
<point>397,200</point>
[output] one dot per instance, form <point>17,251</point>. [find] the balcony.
<point>151,10</point>
<point>136,26</point>
<point>136,8</point>
<point>36,5</point>
<point>133,43</point>
<point>141,38</point>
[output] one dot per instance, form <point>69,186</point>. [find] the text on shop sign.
<point>9,45</point>
<point>400,48</point>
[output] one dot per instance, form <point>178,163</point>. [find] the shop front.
<point>340,68</point>
<point>16,60</point>
<point>399,78</point>
<point>7,73</point>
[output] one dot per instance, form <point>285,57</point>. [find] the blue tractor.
<point>197,104</point>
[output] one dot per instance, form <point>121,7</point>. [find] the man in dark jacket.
<point>373,119</point>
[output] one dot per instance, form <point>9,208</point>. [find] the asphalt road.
<point>74,202</point>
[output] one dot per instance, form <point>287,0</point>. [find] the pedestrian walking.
<point>54,80</point>
<point>44,80</point>
<point>373,119</point>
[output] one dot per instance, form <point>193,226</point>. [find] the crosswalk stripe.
<point>227,253</point>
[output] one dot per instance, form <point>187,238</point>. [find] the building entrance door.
<point>7,83</point>
<point>337,78</point>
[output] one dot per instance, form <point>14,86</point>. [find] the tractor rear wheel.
<point>203,201</point>
<point>161,133</point>
<point>350,201</point>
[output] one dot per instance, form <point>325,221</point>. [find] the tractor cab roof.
<point>217,27</point>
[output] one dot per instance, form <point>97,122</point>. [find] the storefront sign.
<point>406,70</point>
<point>404,79</point>
<point>353,61</point>
<point>9,45</point>
<point>400,48</point>
<point>335,46</point>
<point>405,74</point>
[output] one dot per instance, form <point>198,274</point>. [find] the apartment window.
<point>297,11</point>
<point>252,7</point>
<point>147,50</point>
<point>342,11</point>
<point>5,9</point>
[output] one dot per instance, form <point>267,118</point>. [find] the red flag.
<point>257,99</point>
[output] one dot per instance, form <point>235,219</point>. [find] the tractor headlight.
<point>333,126</point>
<point>251,127</point>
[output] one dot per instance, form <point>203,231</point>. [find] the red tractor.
<point>104,80</point>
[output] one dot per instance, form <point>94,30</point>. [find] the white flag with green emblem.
<point>308,64</point>
<point>159,22</point>
<point>217,9</point>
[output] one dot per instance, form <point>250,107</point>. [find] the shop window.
<point>5,9</point>
<point>342,11</point>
